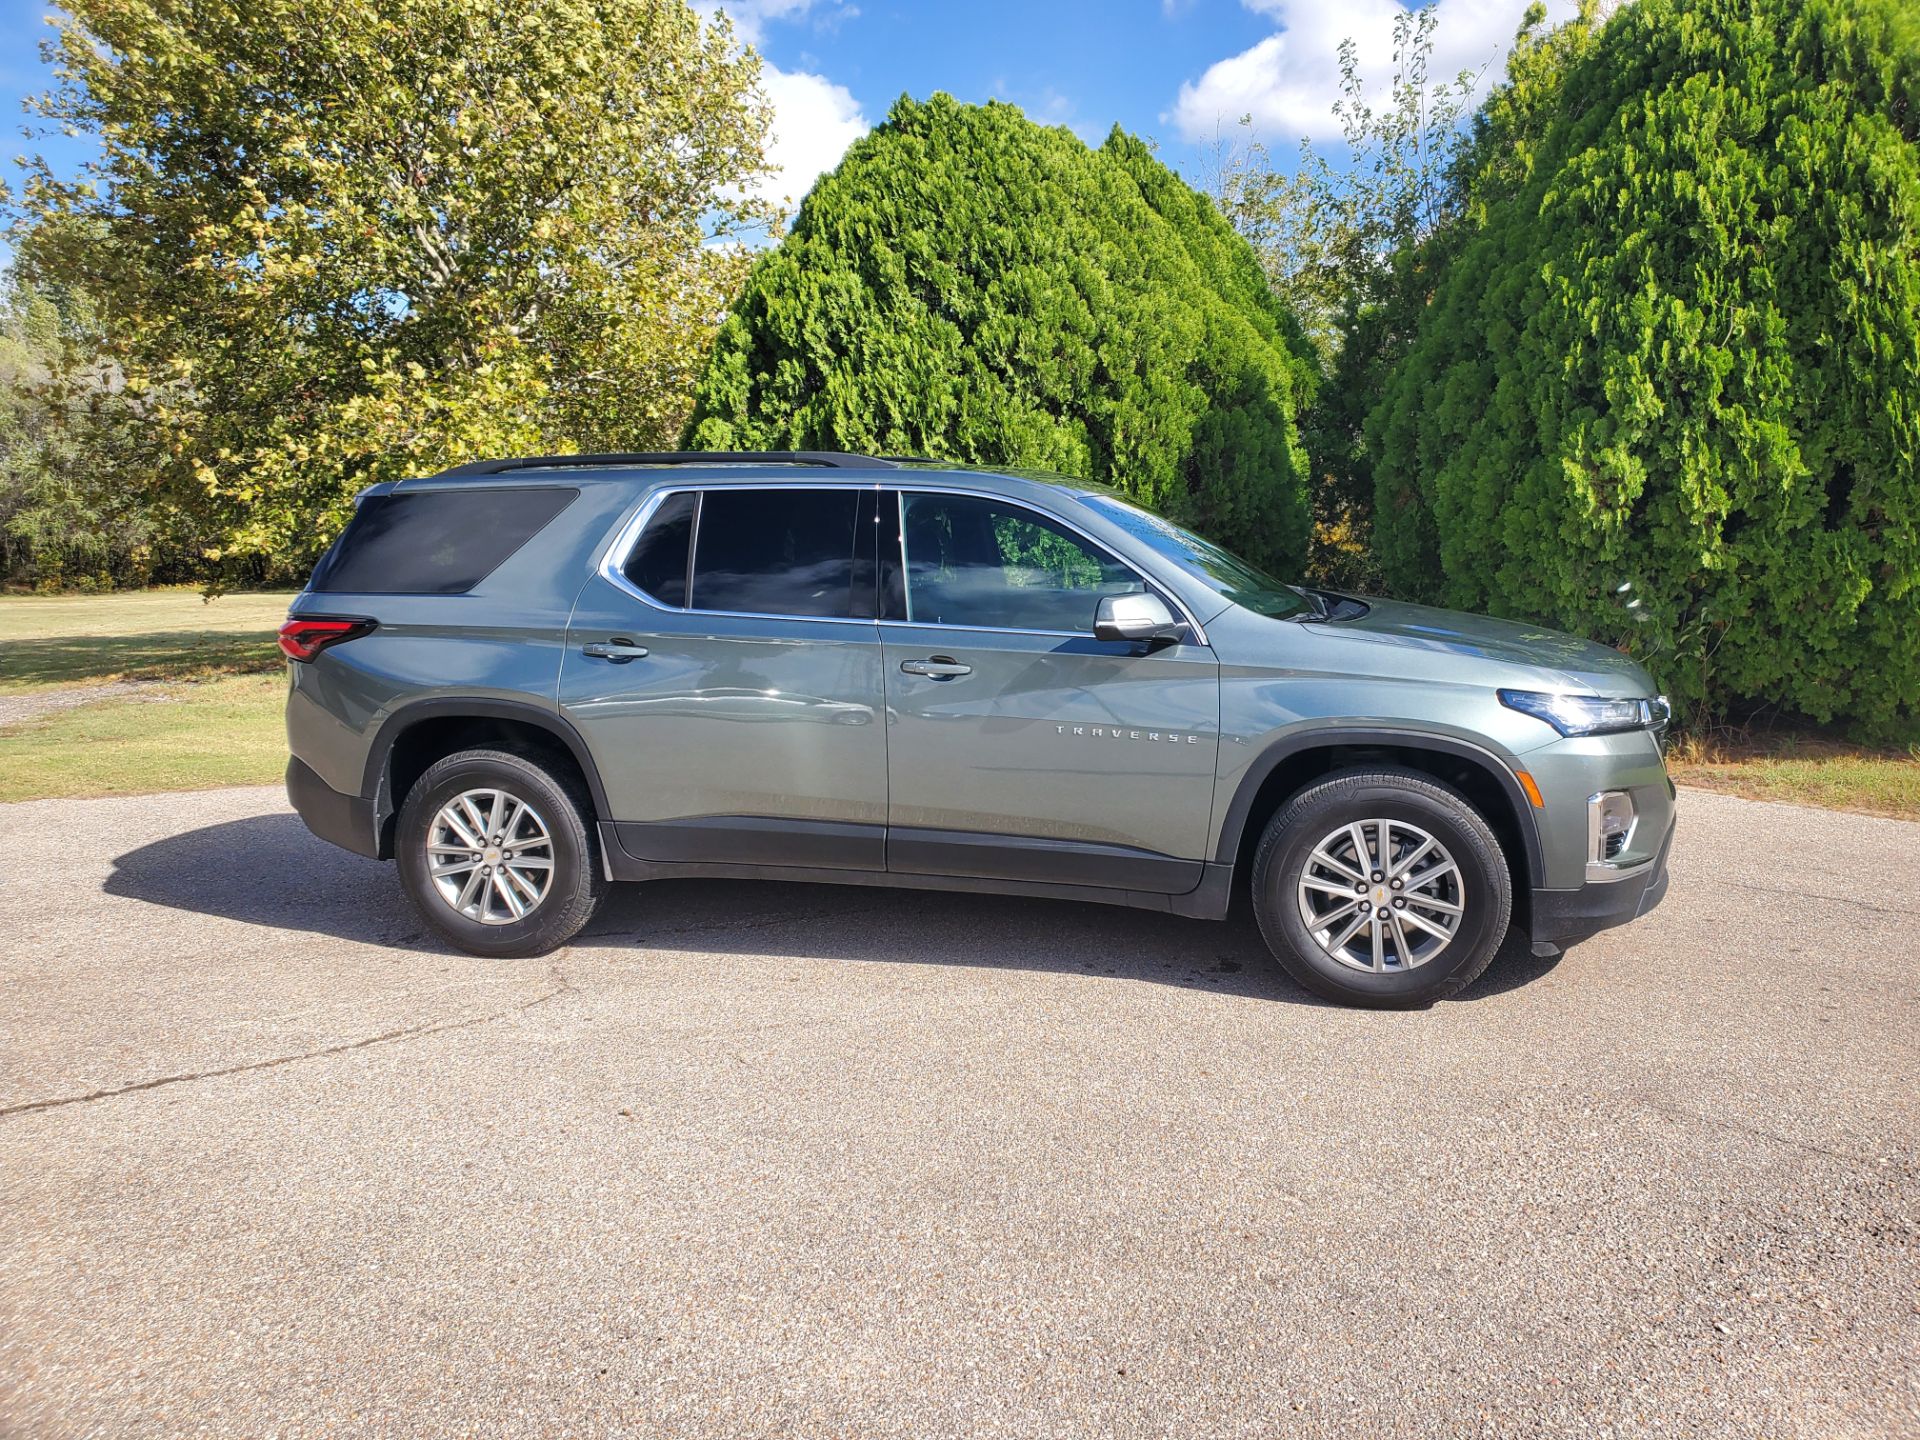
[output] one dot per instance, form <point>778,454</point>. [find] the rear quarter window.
<point>657,565</point>
<point>435,542</point>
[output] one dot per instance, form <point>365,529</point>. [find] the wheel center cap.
<point>492,856</point>
<point>1379,895</point>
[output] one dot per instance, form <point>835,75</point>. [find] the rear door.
<point>1020,747</point>
<point>724,666</point>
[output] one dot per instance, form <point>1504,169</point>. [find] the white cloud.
<point>1289,81</point>
<point>814,121</point>
<point>750,17</point>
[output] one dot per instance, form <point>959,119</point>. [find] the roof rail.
<point>830,459</point>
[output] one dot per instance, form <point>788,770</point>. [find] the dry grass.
<point>1803,769</point>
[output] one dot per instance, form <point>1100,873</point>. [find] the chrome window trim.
<point>612,567</point>
<point>987,629</point>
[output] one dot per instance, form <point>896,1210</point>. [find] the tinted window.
<point>434,542</point>
<point>658,563</point>
<point>983,563</point>
<point>782,552</point>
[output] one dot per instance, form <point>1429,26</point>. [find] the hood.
<point>1579,664</point>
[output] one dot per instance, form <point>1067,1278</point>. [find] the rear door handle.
<point>618,651</point>
<point>940,667</point>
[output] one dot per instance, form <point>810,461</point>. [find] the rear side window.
<point>434,542</point>
<point>784,552</point>
<point>657,565</point>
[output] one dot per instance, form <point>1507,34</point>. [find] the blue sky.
<point>1173,71</point>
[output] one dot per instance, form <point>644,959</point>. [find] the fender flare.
<point>1284,749</point>
<point>375,783</point>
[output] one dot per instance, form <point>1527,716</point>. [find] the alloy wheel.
<point>1381,896</point>
<point>490,856</point>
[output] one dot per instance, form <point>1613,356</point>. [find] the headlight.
<point>1586,714</point>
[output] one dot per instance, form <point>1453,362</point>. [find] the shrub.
<point>1680,350</point>
<point>971,286</point>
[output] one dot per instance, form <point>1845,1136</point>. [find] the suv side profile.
<point>526,679</point>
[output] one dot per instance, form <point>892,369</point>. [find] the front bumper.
<point>1566,917</point>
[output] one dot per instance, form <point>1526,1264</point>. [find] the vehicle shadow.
<point>268,870</point>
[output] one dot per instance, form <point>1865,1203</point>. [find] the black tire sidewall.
<point>573,890</point>
<point>1315,813</point>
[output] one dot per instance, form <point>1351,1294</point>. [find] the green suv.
<point>525,679</point>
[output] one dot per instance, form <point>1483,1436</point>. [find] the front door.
<point>726,674</point>
<point>1020,747</point>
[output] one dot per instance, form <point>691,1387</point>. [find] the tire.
<point>558,810</point>
<point>1309,840</point>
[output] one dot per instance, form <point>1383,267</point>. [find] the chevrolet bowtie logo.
<point>1109,732</point>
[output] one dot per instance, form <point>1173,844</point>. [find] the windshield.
<point>1203,560</point>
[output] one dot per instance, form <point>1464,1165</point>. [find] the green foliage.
<point>68,429</point>
<point>1343,247</point>
<point>971,286</point>
<point>344,243</point>
<point>1327,234</point>
<point>1677,346</point>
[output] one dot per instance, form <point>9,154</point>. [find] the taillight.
<point>304,637</point>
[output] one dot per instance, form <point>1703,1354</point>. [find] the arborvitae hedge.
<point>1682,350</point>
<point>971,286</point>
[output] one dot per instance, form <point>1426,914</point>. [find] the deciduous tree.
<point>342,242</point>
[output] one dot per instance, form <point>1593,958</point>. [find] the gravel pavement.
<point>758,1160</point>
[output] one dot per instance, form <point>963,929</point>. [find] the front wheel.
<point>1381,888</point>
<point>496,853</point>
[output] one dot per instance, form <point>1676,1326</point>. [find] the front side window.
<point>784,552</point>
<point>985,564</point>
<point>1206,562</point>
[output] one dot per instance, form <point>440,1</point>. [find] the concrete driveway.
<point>770,1161</point>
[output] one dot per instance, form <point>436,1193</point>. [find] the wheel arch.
<point>413,737</point>
<point>1292,763</point>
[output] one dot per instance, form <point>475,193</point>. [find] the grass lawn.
<point>206,710</point>
<point>56,640</point>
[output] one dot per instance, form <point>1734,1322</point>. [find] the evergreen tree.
<point>1677,347</point>
<point>971,286</point>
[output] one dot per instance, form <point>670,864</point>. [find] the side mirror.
<point>1137,618</point>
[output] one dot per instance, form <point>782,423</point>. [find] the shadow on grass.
<point>168,655</point>
<point>268,870</point>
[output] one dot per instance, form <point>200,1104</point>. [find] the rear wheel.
<point>497,855</point>
<point>1381,888</point>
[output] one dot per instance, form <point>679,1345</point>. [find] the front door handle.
<point>618,651</point>
<point>940,667</point>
